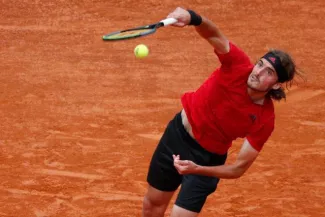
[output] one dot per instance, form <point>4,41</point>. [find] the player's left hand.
<point>184,166</point>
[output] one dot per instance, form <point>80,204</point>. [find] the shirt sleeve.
<point>234,57</point>
<point>258,137</point>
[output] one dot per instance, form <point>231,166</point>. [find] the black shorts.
<point>164,176</point>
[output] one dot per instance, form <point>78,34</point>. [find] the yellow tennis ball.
<point>141,51</point>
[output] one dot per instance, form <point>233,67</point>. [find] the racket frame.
<point>151,29</point>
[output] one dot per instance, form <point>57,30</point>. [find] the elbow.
<point>235,176</point>
<point>237,173</point>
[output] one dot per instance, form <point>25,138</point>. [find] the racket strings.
<point>128,33</point>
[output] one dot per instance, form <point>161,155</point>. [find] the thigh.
<point>194,191</point>
<point>157,197</point>
<point>181,212</point>
<point>162,174</point>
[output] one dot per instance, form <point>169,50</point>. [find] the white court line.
<point>70,174</point>
<point>34,193</point>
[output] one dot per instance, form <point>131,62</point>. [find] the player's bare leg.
<point>155,202</point>
<point>181,212</point>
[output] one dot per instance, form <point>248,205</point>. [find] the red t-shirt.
<point>221,110</point>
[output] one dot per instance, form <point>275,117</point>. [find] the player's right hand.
<point>182,16</point>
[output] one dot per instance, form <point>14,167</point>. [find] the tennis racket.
<point>138,31</point>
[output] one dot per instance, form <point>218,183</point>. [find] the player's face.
<point>263,77</point>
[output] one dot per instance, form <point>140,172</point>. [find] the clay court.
<point>80,118</point>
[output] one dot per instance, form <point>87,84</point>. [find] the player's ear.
<point>277,86</point>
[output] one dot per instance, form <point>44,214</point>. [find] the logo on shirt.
<point>253,117</point>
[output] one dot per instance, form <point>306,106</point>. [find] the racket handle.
<point>168,21</point>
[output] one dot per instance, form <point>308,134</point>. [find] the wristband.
<point>195,18</point>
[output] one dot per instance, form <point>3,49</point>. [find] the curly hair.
<point>290,67</point>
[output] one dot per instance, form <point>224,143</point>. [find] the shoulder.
<point>268,113</point>
<point>235,56</point>
<point>269,106</point>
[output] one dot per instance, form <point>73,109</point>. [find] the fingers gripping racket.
<point>138,31</point>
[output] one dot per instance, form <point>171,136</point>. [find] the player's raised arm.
<point>205,27</point>
<point>209,31</point>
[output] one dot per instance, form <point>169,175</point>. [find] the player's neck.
<point>256,96</point>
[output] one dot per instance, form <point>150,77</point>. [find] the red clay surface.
<point>80,118</point>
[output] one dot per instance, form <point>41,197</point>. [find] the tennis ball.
<point>141,51</point>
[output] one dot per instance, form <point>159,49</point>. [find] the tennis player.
<point>236,101</point>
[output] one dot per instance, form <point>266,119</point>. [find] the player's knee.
<point>153,207</point>
<point>147,206</point>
